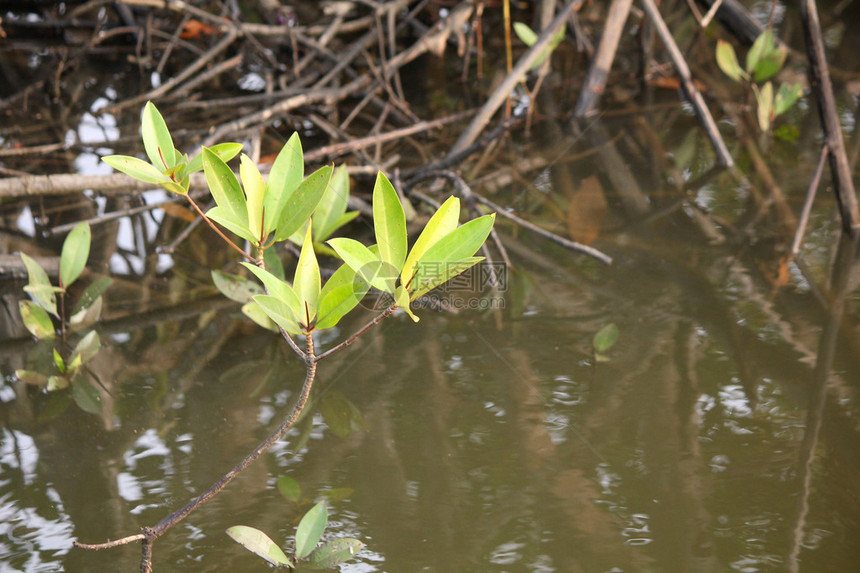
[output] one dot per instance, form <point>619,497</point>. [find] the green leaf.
<point>226,151</point>
<point>87,316</point>
<point>443,221</point>
<point>230,222</point>
<point>76,251</point>
<point>278,288</point>
<point>57,383</point>
<point>526,35</point>
<point>451,255</point>
<point>727,61</point>
<point>764,108</point>
<point>286,175</point>
<point>389,223</point>
<point>310,530</point>
<point>92,293</point>
<point>58,362</point>
<point>289,488</point>
<point>156,138</point>
<point>786,96</point>
<point>256,313</point>
<point>332,553</point>
<point>605,338</point>
<point>332,205</point>
<point>301,203</point>
<point>340,294</point>
<point>36,320</point>
<point>137,168</point>
<point>259,543</point>
<point>279,312</point>
<point>224,187</point>
<point>39,286</point>
<point>31,377</point>
<point>764,60</point>
<point>86,396</point>
<point>86,348</point>
<point>255,188</point>
<point>234,287</point>
<point>306,282</point>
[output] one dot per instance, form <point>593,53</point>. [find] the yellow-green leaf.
<point>224,186</point>
<point>389,223</point>
<point>137,168</point>
<point>156,138</point>
<point>255,188</point>
<point>284,178</point>
<point>76,251</point>
<point>306,282</point>
<point>36,320</point>
<point>727,60</point>
<point>443,221</point>
<point>259,543</point>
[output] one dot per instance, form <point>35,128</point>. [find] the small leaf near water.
<point>76,251</point>
<point>32,377</point>
<point>86,396</point>
<point>87,347</point>
<point>234,287</point>
<point>289,488</point>
<point>87,316</point>
<point>39,286</point>
<point>727,61</point>
<point>310,530</point>
<point>764,107</point>
<point>605,338</point>
<point>258,542</point>
<point>332,553</point>
<point>786,96</point>
<point>91,293</point>
<point>36,320</point>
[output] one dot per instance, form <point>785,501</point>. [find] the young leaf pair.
<point>168,167</point>
<point>308,534</point>
<point>764,60</point>
<point>36,313</point>
<point>272,210</point>
<point>442,250</point>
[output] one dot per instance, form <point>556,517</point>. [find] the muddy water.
<point>718,433</point>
